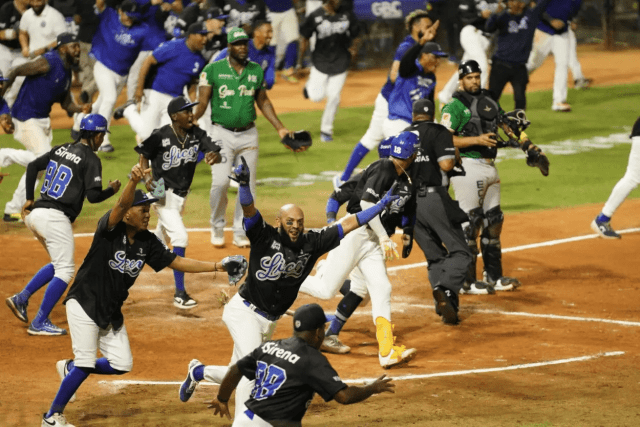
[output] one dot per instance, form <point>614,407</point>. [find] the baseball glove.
<point>536,158</point>
<point>300,141</point>
<point>235,266</point>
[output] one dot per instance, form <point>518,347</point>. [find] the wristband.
<point>367,215</point>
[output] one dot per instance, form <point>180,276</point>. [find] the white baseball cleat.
<point>63,371</point>
<point>55,420</point>
<point>217,237</point>
<point>398,355</point>
<point>332,344</point>
<point>241,241</point>
<point>561,106</point>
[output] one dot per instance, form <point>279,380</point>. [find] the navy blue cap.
<point>309,317</point>
<point>140,198</point>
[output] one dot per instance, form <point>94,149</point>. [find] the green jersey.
<point>232,94</point>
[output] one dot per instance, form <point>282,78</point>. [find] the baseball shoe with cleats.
<point>326,137</point>
<point>183,301</point>
<point>332,344</point>
<point>18,309</point>
<point>398,355</point>
<point>62,366</point>
<point>445,306</point>
<point>241,241</point>
<point>188,386</point>
<point>504,283</point>
<point>14,217</point>
<point>106,148</point>
<point>45,328</point>
<point>337,181</point>
<point>477,288</point>
<point>604,229</point>
<point>217,237</point>
<point>118,113</point>
<point>561,106</point>
<point>583,83</point>
<point>55,420</point>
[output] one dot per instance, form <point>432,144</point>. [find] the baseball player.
<point>515,27</point>
<point>39,27</point>
<point>177,64</point>
<point>474,41</point>
<point>115,46</point>
<point>473,117</point>
<point>121,247</point>
<point>334,31</point>
<point>244,13</point>
<point>173,151</point>
<point>602,223</point>
<point>73,172</point>
<point>579,80</point>
<point>361,255</point>
<point>416,80</point>
<point>552,36</point>
<point>10,50</point>
<point>47,80</point>
<point>287,374</point>
<point>281,258</point>
<point>232,87</point>
<point>420,27</point>
<point>260,51</point>
<point>284,19</point>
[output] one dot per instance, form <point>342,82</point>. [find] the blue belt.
<point>249,413</point>
<point>260,312</point>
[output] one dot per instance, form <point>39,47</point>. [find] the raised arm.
<point>126,198</point>
<point>242,175</point>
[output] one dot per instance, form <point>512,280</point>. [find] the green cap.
<point>235,35</point>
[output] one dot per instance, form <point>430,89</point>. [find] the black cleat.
<point>118,113</point>
<point>445,306</point>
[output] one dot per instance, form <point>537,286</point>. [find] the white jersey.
<point>44,28</point>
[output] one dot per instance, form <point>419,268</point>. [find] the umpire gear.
<point>468,67</point>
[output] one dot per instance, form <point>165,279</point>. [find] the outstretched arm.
<point>31,68</point>
<point>242,176</point>
<point>220,404</point>
<point>355,394</point>
<point>353,222</point>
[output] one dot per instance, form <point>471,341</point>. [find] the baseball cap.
<point>423,106</point>
<point>179,103</point>
<point>64,38</point>
<point>236,35</point>
<point>140,198</point>
<point>309,317</point>
<point>433,48</point>
<point>197,28</point>
<point>214,13</point>
<point>130,8</point>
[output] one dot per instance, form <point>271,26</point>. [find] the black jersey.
<point>334,34</point>
<point>10,19</point>
<point>72,169</point>
<point>244,12</point>
<point>111,267</point>
<point>276,271</point>
<point>436,144</point>
<point>287,373</point>
<point>345,191</point>
<point>173,160</point>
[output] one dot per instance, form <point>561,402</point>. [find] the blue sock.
<point>358,153</point>
<point>69,385</point>
<point>52,295</point>
<point>603,218</point>
<point>345,309</point>
<point>291,55</point>
<point>103,367</point>
<point>40,279</point>
<point>198,373</point>
<point>179,275</point>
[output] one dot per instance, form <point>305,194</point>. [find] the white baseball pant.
<point>153,113</point>
<point>285,30</point>
<point>574,63</point>
<point>110,85</point>
<point>558,45</point>
<point>248,330</point>
<point>475,46</point>
<point>134,73</point>
<point>244,421</point>
<point>169,210</point>
<point>11,58</point>
<point>629,181</point>
<point>87,338</point>
<point>321,85</point>
<point>394,127</point>
<point>36,136</point>
<point>375,133</point>
<point>359,251</point>
<point>53,229</point>
<point>234,145</point>
<point>480,187</point>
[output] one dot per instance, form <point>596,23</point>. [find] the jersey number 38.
<point>269,378</point>
<point>56,179</point>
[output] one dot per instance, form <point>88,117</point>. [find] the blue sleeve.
<point>4,107</point>
<point>249,223</point>
<point>340,231</point>
<point>164,52</point>
<point>402,49</point>
<point>270,72</point>
<point>220,55</point>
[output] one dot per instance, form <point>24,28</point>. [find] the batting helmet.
<point>94,123</point>
<point>468,67</point>
<point>404,145</point>
<point>384,149</point>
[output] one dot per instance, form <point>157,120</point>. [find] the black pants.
<point>505,72</point>
<point>442,242</point>
<point>447,12</point>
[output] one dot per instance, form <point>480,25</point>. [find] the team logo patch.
<point>298,323</point>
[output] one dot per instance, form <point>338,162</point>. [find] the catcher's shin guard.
<point>471,232</point>
<point>384,334</point>
<point>490,244</point>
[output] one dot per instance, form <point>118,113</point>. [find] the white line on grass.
<point>407,377</point>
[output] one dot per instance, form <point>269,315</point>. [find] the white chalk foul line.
<point>407,377</point>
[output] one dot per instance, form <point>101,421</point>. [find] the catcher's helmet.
<point>404,145</point>
<point>468,67</point>
<point>94,123</point>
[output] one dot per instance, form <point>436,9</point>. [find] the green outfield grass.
<point>574,179</point>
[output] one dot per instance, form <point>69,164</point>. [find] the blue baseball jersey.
<point>38,93</point>
<point>403,47</point>
<point>4,107</point>
<point>156,33</point>
<point>115,45</point>
<point>408,90</point>
<point>265,57</point>
<point>177,67</point>
<point>565,10</point>
<point>279,5</point>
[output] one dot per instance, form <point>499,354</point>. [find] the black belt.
<point>181,193</point>
<point>239,129</point>
<point>260,312</point>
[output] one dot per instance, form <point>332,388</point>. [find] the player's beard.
<point>286,240</point>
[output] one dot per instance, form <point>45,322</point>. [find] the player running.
<point>73,173</point>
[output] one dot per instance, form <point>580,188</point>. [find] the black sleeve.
<point>188,16</point>
<point>96,195</point>
<point>32,173</point>
<point>206,143</point>
<point>326,239</point>
<point>408,63</point>
<point>321,376</point>
<point>149,147</point>
<point>636,128</point>
<point>443,147</point>
<point>354,26</point>
<point>308,26</point>
<point>378,182</point>
<point>159,255</point>
<point>260,233</point>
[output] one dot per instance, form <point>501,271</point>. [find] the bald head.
<point>291,219</point>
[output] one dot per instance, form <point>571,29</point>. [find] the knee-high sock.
<point>179,275</point>
<point>358,153</point>
<point>345,309</point>
<point>52,295</point>
<point>40,279</point>
<point>291,55</point>
<point>69,385</point>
